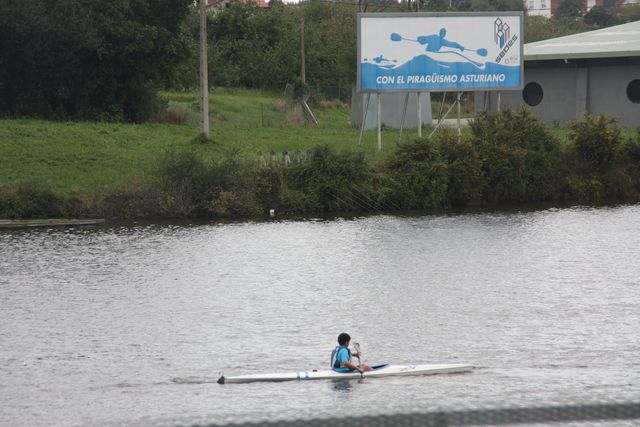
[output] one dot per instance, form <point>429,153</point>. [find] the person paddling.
<point>435,42</point>
<point>341,356</point>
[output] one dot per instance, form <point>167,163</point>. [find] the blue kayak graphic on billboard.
<point>442,52</point>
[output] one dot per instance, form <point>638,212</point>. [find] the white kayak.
<point>377,371</point>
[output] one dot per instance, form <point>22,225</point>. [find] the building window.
<point>532,94</point>
<point>633,91</point>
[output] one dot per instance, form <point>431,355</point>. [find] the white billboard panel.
<point>439,51</point>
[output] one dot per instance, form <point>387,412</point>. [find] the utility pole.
<point>204,72</point>
<point>303,72</point>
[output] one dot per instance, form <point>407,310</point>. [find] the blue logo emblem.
<point>501,32</point>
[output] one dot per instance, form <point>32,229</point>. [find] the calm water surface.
<point>133,325</point>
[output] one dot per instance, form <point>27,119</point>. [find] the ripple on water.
<point>133,325</point>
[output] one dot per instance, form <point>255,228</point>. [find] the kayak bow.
<point>377,371</point>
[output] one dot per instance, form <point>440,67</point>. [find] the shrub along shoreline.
<point>508,157</point>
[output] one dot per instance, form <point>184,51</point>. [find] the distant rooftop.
<point>613,42</point>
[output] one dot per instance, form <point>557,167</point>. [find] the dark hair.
<point>343,338</point>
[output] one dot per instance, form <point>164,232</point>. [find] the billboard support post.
<point>364,118</point>
<point>379,122</point>
<point>404,115</point>
<point>419,108</point>
<point>442,119</point>
<point>458,102</point>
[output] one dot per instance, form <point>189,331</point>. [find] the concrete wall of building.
<point>392,106</point>
<point>608,93</point>
<point>558,101</point>
<point>570,90</point>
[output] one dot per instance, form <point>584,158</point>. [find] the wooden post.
<point>204,72</point>
<point>303,76</point>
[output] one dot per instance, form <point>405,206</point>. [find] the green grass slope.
<point>80,159</point>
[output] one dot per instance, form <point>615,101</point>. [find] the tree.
<point>489,5</point>
<point>541,28</point>
<point>260,48</point>
<point>81,59</point>
<point>600,17</point>
<point>570,8</point>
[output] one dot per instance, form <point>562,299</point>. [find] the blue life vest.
<point>334,356</point>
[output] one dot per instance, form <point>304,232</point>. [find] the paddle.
<point>356,347</point>
<point>397,37</point>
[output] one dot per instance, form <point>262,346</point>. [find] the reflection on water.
<point>343,386</point>
<point>132,325</point>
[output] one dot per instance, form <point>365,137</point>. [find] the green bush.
<point>330,180</point>
<point>520,156</point>
<point>597,139</point>
<point>29,200</point>
<point>466,176</point>
<point>190,186</point>
<point>418,176</point>
<point>624,177</point>
<point>127,204</point>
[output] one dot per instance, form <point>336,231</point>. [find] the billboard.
<point>413,52</point>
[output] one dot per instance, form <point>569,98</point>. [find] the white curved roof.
<point>613,42</point>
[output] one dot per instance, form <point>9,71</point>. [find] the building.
<point>597,72</point>
<point>541,7</point>
<point>548,8</point>
<point>216,4</point>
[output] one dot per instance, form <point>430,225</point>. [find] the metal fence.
<point>543,415</point>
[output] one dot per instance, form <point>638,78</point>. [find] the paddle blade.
<point>396,37</point>
<point>482,52</point>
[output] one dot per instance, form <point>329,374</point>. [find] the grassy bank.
<point>164,170</point>
<point>80,159</point>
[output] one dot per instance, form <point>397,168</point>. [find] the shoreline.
<point>52,222</point>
